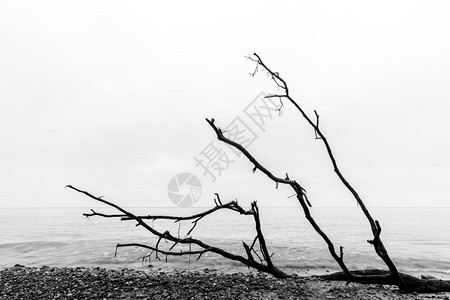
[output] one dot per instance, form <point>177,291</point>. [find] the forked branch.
<point>265,264</point>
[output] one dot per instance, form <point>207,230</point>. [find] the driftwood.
<point>263,262</point>
<point>258,247</point>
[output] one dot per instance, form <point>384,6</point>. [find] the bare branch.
<point>262,241</point>
<point>94,213</point>
<point>232,205</point>
<point>156,249</point>
<point>248,251</point>
<point>317,125</point>
<point>218,198</point>
<point>221,137</point>
<point>168,237</point>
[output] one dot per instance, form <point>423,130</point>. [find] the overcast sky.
<point>111,96</point>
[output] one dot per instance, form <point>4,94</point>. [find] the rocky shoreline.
<point>21,282</point>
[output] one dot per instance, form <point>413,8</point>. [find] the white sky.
<point>111,96</point>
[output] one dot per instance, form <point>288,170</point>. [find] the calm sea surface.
<point>417,239</point>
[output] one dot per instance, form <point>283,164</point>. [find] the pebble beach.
<point>20,282</point>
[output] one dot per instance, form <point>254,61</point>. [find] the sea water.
<point>417,239</point>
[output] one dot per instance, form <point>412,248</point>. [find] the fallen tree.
<point>391,277</point>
